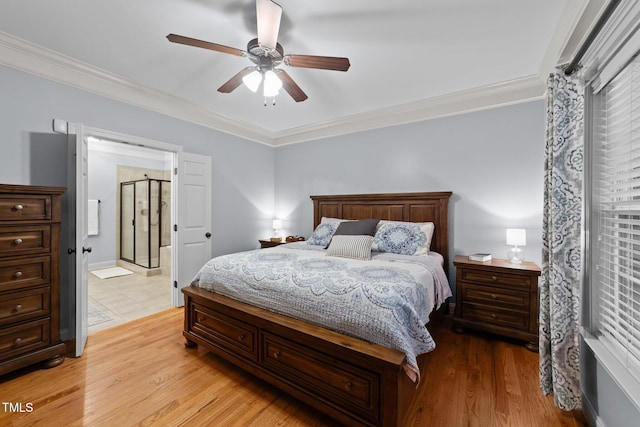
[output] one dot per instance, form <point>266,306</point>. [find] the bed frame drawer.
<point>333,380</point>
<point>230,334</point>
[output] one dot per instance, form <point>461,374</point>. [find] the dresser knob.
<point>276,354</point>
<point>18,274</point>
<point>17,308</point>
<point>202,319</point>
<point>18,241</point>
<point>494,278</point>
<point>18,207</point>
<point>493,315</point>
<point>348,385</point>
<point>493,296</point>
<point>241,337</point>
<point>17,341</point>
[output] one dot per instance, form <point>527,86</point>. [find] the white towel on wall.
<point>94,224</point>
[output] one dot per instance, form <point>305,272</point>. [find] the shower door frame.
<point>135,222</point>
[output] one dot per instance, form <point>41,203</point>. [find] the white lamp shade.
<point>272,84</point>
<point>516,236</point>
<point>277,223</point>
<point>252,80</point>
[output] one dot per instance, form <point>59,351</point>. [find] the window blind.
<point>616,199</point>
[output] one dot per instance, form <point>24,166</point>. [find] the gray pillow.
<point>362,227</point>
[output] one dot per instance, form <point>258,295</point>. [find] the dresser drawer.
<point>342,382</point>
<point>496,278</point>
<point>25,272</point>
<point>15,241</point>
<point>24,338</point>
<point>495,316</point>
<point>25,305</point>
<point>25,207</point>
<point>235,336</point>
<point>497,297</point>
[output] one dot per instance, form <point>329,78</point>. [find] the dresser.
<point>497,296</point>
<point>30,219</point>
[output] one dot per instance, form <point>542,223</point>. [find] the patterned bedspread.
<point>386,300</point>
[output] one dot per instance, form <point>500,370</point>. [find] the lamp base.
<point>515,255</point>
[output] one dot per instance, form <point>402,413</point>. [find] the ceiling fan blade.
<point>320,62</point>
<point>290,86</point>
<point>268,16</point>
<point>235,81</point>
<point>175,38</point>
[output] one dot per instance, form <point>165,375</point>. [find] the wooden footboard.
<point>351,380</point>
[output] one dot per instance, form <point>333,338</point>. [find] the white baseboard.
<point>104,264</point>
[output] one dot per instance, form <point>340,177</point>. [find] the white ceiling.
<point>410,59</point>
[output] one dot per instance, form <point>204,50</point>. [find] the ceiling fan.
<point>266,54</point>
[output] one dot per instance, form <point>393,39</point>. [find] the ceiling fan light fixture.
<point>272,84</point>
<point>253,80</point>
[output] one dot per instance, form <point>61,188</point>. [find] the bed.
<point>355,381</point>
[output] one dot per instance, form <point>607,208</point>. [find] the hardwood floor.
<point>140,373</point>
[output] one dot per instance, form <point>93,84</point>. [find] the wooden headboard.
<point>413,207</point>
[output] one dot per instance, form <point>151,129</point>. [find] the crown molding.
<point>42,62</point>
<point>475,99</point>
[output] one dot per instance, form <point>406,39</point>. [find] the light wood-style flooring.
<point>140,373</point>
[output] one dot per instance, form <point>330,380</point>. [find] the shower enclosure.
<point>145,220</point>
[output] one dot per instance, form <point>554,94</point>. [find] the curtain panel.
<point>560,280</point>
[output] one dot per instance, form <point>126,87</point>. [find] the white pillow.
<point>349,246</point>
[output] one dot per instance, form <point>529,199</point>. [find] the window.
<point>615,217</point>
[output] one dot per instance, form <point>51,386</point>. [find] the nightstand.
<point>270,244</point>
<point>497,296</point>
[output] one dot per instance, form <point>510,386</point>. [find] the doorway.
<point>130,206</point>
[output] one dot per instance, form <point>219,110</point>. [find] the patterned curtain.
<point>561,248</point>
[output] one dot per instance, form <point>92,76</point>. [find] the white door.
<point>193,220</point>
<point>78,177</point>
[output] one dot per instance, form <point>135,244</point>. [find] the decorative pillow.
<point>405,238</point>
<point>349,246</point>
<point>322,234</point>
<point>327,220</point>
<point>362,227</point>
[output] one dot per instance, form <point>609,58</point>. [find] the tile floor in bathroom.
<point>127,298</point>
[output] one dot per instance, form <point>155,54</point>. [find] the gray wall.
<point>491,160</point>
<point>242,171</point>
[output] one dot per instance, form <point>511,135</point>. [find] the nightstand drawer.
<point>496,278</point>
<point>487,314</point>
<point>496,297</point>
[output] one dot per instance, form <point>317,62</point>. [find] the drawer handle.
<point>493,296</point>
<point>18,241</point>
<point>17,341</point>
<point>348,385</point>
<point>241,337</point>
<point>493,315</point>
<point>18,274</point>
<point>202,319</point>
<point>17,308</point>
<point>18,207</point>
<point>276,354</point>
<point>494,278</point>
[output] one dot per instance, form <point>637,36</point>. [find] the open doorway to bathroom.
<point>130,206</point>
